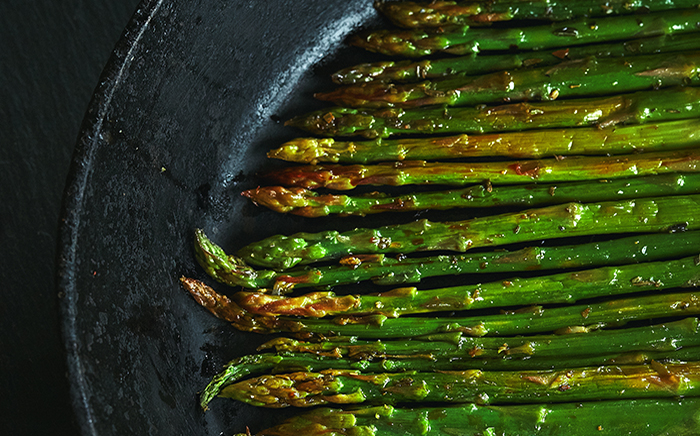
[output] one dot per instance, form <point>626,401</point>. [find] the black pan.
<point>188,105</point>
<point>194,96</point>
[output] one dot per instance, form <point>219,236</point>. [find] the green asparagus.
<point>530,320</point>
<point>636,108</point>
<point>418,172</point>
<point>255,365</point>
<point>305,389</point>
<point>463,39</point>
<point>664,136</point>
<point>456,358</point>
<point>412,14</point>
<point>646,215</point>
<point>444,347</point>
<point>677,340</point>
<point>656,417</point>
<point>384,270</point>
<point>568,287</point>
<point>300,201</point>
<point>586,77</point>
<point>476,64</point>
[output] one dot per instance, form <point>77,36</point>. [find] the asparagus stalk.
<point>528,144</point>
<point>568,287</point>
<point>646,215</point>
<point>256,365</point>
<point>305,389</point>
<point>303,202</point>
<point>531,320</point>
<point>677,417</point>
<point>384,270</point>
<point>476,64</point>
<point>637,108</point>
<point>417,172</point>
<point>222,307</point>
<point>445,347</point>
<point>677,340</point>
<point>577,78</point>
<point>416,14</point>
<point>463,39</point>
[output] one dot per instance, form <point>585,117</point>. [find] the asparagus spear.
<point>677,340</point>
<point>568,287</point>
<point>301,201</point>
<point>223,308</point>
<point>418,172</point>
<point>260,364</point>
<point>305,389</point>
<point>445,347</point>
<point>528,144</point>
<point>577,78</point>
<point>475,64</point>
<point>463,39</point>
<point>531,320</point>
<point>383,270</point>
<point>637,108</point>
<point>655,417</point>
<point>413,14</point>
<point>646,215</point>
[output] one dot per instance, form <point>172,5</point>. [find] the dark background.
<point>51,55</point>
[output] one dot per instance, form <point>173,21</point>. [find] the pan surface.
<point>193,97</point>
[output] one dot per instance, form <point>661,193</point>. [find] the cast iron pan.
<point>194,96</point>
<point>191,100</point>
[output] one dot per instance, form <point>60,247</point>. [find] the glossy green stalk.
<point>646,215</point>
<point>664,136</point>
<point>444,347</point>
<point>418,172</point>
<point>383,270</point>
<point>415,14</point>
<point>477,64</point>
<point>603,112</point>
<point>586,77</point>
<point>561,288</point>
<point>531,320</point>
<point>656,417</point>
<point>256,365</point>
<point>304,202</point>
<point>577,318</point>
<point>677,340</point>
<point>306,389</point>
<point>461,40</point>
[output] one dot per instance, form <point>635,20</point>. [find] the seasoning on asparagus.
<point>385,270</point>
<point>664,136</point>
<point>677,340</point>
<point>645,215</point>
<point>414,14</point>
<point>306,389</point>
<point>222,307</point>
<point>636,108</point>
<point>667,337</point>
<point>560,288</point>
<point>677,417</point>
<point>304,202</point>
<point>476,64</point>
<point>255,365</point>
<point>418,172</point>
<point>577,318</point>
<point>464,39</point>
<point>586,77</point>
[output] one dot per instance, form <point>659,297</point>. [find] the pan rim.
<point>81,167</point>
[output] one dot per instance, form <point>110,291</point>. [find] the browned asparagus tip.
<point>220,305</point>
